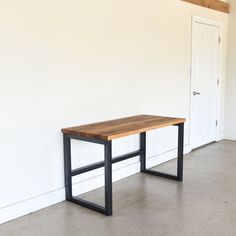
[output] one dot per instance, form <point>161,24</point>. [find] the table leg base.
<point>162,175</point>
<point>89,205</point>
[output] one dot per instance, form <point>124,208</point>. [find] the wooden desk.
<point>103,133</point>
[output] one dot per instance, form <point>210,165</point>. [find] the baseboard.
<point>31,205</point>
<point>45,200</point>
<point>230,136</point>
<point>220,136</point>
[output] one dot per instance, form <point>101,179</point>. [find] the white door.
<point>204,82</point>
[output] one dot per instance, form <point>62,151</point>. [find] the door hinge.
<point>216,122</point>
<point>219,39</point>
<point>218,81</point>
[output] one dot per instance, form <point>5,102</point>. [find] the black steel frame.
<point>107,163</point>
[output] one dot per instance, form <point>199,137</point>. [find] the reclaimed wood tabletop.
<point>112,129</point>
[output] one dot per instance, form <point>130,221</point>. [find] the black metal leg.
<point>67,166</point>
<point>108,178</point>
<point>143,152</point>
<point>107,210</point>
<point>179,176</point>
<point>180,151</point>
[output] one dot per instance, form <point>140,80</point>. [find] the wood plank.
<point>211,4</point>
<point>118,128</point>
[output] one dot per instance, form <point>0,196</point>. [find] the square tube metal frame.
<point>179,176</point>
<point>107,164</point>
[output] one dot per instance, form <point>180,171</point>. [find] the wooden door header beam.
<point>211,4</point>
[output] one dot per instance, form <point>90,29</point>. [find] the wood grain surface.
<point>211,4</point>
<point>118,128</point>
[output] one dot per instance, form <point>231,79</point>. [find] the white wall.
<point>65,63</point>
<point>230,125</point>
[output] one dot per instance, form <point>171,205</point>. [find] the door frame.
<point>207,21</point>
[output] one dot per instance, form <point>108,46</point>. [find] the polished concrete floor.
<point>204,204</point>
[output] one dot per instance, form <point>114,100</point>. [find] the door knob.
<point>196,93</point>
